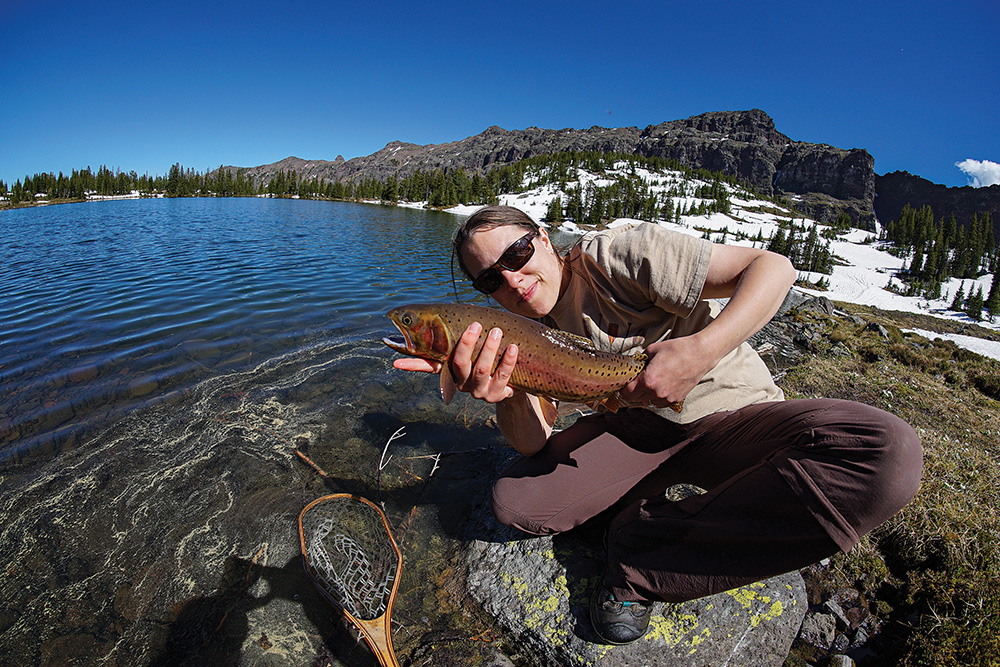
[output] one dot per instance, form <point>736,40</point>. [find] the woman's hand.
<point>525,420</point>
<point>474,376</point>
<point>675,366</point>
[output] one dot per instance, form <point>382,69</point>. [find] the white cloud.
<point>981,173</point>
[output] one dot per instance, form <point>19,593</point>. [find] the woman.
<point>787,483</point>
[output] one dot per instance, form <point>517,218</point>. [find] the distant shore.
<point>535,203</point>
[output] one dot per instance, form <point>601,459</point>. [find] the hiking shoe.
<point>618,622</point>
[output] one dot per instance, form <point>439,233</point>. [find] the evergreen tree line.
<point>627,197</point>
<point>78,184</point>
<point>940,249</point>
<point>975,304</point>
<point>803,247</point>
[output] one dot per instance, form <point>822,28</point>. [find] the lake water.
<point>108,305</point>
<point>160,362</point>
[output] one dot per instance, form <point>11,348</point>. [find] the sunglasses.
<point>513,258</point>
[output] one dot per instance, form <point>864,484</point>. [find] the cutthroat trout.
<point>551,363</point>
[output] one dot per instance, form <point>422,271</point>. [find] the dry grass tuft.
<point>932,572</point>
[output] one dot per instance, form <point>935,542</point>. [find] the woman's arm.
<point>521,420</point>
<point>756,282</point>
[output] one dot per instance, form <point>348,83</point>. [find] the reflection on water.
<point>160,361</point>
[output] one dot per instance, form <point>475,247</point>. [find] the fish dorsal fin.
<point>637,353</point>
<point>567,339</point>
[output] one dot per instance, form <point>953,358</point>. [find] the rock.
<point>824,180</point>
<point>878,329</point>
<point>539,589</point>
<point>841,660</point>
<point>860,637</point>
<point>793,299</point>
<point>837,612</point>
<point>819,630</point>
<point>819,304</point>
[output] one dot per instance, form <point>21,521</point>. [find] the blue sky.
<point>139,86</point>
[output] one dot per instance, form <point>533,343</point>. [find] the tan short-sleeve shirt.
<point>638,284</point>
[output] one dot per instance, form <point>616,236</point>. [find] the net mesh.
<point>350,555</point>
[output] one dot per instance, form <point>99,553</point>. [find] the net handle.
<point>377,632</point>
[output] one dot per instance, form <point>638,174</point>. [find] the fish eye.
<point>406,319</point>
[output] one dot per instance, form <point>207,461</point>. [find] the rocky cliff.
<point>822,179</point>
<point>896,190</point>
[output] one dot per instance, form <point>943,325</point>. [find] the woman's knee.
<point>878,457</point>
<point>511,506</point>
<point>889,441</point>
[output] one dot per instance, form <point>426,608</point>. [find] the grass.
<point>931,574</point>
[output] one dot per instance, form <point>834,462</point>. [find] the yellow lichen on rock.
<point>673,629</point>
<point>750,599</point>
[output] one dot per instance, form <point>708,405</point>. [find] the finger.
<point>417,364</point>
<point>631,390</point>
<point>487,358</point>
<point>504,370</point>
<point>461,360</point>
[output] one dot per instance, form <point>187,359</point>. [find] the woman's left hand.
<point>675,366</point>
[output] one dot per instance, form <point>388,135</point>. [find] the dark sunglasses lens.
<point>488,281</point>
<point>517,255</point>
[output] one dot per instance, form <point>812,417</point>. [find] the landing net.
<point>350,553</point>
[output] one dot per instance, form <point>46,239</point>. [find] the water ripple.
<point>108,306</point>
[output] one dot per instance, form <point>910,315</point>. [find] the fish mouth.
<point>404,346</point>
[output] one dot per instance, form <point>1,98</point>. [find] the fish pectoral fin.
<point>676,406</point>
<point>607,404</point>
<point>448,386</point>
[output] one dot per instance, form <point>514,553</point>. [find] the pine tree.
<point>778,243</point>
<point>974,304</point>
<point>574,207</point>
<point>918,262</point>
<point>992,304</point>
<point>555,210</point>
<point>959,299</point>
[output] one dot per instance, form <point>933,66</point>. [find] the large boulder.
<point>539,589</point>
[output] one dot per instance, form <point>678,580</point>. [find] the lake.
<point>161,361</point>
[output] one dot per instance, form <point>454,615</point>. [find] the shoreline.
<point>855,283</point>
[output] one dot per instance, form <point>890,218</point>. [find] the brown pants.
<point>788,484</point>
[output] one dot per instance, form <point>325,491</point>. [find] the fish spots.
<point>551,362</point>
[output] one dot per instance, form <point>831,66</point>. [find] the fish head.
<point>424,333</point>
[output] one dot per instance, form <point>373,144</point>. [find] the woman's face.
<point>533,289</point>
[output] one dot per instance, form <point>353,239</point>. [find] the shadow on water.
<point>213,629</point>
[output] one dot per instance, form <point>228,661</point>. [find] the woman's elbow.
<point>783,267</point>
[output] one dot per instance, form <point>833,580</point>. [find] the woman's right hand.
<point>473,376</point>
<point>476,376</point>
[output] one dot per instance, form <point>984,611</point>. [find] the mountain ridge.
<point>821,180</point>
